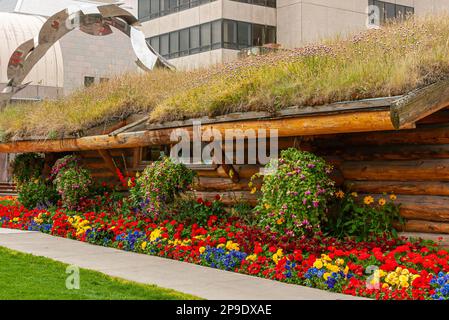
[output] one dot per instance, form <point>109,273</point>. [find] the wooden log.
<point>433,134</point>
<point>389,152</point>
<point>223,184</point>
<point>425,226</point>
<point>434,188</point>
<point>313,125</point>
<point>108,161</point>
<point>419,104</point>
<point>426,170</point>
<point>429,208</point>
<point>439,238</point>
<point>229,198</point>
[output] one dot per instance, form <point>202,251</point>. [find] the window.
<point>265,3</point>
<point>229,34</point>
<point>216,35</point>
<point>389,11</point>
<point>243,35</point>
<point>194,40</point>
<point>205,36</point>
<point>154,9</point>
<point>184,42</point>
<point>154,42</point>
<point>174,44</point>
<point>151,9</point>
<point>164,45</point>
<point>150,154</point>
<point>213,35</point>
<point>88,81</point>
<point>143,8</point>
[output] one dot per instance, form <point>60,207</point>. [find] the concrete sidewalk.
<point>200,281</point>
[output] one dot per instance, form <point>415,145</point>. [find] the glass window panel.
<point>184,4</point>
<point>144,8</point>
<point>258,35</point>
<point>244,34</point>
<point>165,7</point>
<point>216,34</point>
<point>400,12</point>
<point>155,8</point>
<point>205,30</point>
<point>173,5</point>
<point>184,42</point>
<point>164,45</point>
<point>229,34</point>
<point>194,39</point>
<point>390,11</point>
<point>174,44</point>
<point>154,42</point>
<point>270,35</point>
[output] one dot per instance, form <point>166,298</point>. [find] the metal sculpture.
<point>93,20</point>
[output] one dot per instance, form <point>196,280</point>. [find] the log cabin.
<point>395,145</point>
<point>377,144</point>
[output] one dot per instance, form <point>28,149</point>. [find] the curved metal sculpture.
<point>95,20</point>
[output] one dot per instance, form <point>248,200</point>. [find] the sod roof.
<point>390,61</point>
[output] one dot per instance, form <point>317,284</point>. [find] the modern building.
<point>197,33</point>
<point>77,60</point>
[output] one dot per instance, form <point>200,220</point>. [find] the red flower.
<point>208,204</point>
<point>200,200</point>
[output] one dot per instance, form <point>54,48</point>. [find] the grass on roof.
<point>386,62</point>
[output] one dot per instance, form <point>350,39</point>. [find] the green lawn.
<point>26,277</point>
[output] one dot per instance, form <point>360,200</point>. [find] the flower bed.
<point>381,269</point>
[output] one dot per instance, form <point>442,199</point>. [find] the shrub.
<point>365,219</point>
<point>295,195</point>
<point>159,184</point>
<point>189,210</point>
<point>27,167</point>
<point>37,194</point>
<point>72,182</point>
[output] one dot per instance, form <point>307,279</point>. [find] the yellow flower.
<point>326,275</point>
<point>332,268</point>
<point>144,245</point>
<point>346,271</point>
<point>326,257</point>
<point>355,194</point>
<point>382,201</point>
<point>318,264</point>
<point>267,206</point>
<point>280,221</point>
<point>339,262</point>
<point>398,270</point>
<point>155,234</point>
<point>202,249</point>
<point>280,253</point>
<point>404,284</point>
<point>275,258</point>
<point>405,272</point>
<point>137,174</point>
<point>340,194</point>
<point>221,245</point>
<point>385,286</point>
<point>368,200</point>
<point>393,197</point>
<point>130,183</point>
<point>403,278</point>
<point>253,190</point>
<point>252,257</point>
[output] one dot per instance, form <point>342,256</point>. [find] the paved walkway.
<point>200,281</point>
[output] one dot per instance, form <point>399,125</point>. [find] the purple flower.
<point>310,166</point>
<point>316,204</point>
<point>308,193</point>
<point>304,201</point>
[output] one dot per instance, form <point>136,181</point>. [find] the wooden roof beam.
<point>419,104</point>
<point>287,127</point>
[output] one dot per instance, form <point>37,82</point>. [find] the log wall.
<point>413,164</point>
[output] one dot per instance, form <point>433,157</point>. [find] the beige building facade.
<point>171,25</point>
